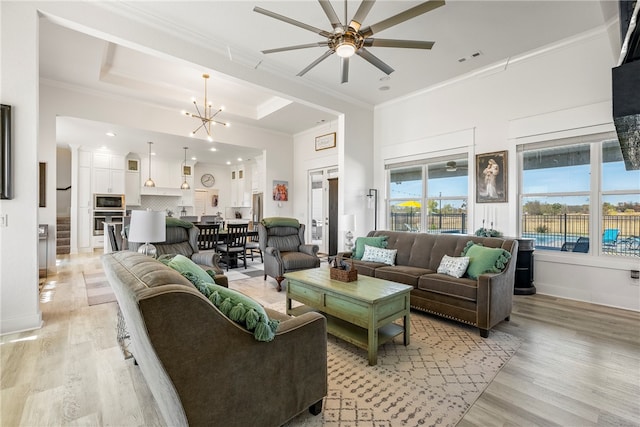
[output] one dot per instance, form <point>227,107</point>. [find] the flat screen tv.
<point>6,184</point>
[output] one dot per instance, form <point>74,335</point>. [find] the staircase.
<point>63,235</point>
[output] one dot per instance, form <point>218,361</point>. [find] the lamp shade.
<point>147,227</point>
<point>348,222</point>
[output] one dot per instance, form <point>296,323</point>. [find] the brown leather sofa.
<point>484,302</point>
<point>206,370</point>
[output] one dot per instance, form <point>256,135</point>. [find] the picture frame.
<point>491,177</point>
<point>324,142</point>
<point>281,191</point>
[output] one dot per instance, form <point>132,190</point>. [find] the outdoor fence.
<point>551,232</point>
<point>436,223</point>
<point>559,232</point>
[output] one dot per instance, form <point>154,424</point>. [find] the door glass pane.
<point>317,215</point>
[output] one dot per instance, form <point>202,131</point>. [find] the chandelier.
<point>208,118</point>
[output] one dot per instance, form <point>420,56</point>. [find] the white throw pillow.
<point>373,254</point>
<point>453,266</point>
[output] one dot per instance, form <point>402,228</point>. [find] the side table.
<point>524,268</point>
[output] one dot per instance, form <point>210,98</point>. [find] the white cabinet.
<point>108,173</point>
<point>132,189</point>
<point>84,226</point>
<point>240,186</point>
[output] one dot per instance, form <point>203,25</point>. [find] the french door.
<point>319,202</point>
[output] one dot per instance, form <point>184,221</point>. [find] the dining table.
<point>207,241</point>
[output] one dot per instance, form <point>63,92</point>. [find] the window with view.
<point>620,197</point>
<point>559,197</point>
<point>429,196</point>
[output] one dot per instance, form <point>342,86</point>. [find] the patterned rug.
<point>433,381</point>
<point>98,289</point>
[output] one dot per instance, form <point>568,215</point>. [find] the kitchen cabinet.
<point>108,173</point>
<point>132,189</point>
<point>240,186</point>
<point>85,205</point>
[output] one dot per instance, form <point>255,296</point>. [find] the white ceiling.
<point>496,30</point>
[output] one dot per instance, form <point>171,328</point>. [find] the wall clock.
<point>207,180</point>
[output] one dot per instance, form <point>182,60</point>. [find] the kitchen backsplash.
<point>162,203</point>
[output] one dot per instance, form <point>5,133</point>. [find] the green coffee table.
<point>360,312</point>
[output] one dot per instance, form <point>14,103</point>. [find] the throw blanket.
<point>175,222</point>
<point>278,221</point>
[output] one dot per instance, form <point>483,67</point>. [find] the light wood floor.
<point>579,364</point>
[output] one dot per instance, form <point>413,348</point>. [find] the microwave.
<point>108,201</point>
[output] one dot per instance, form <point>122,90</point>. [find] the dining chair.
<point>234,246</point>
<point>209,236</point>
<point>253,243</point>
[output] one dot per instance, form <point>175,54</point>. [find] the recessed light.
<point>110,134</point>
<point>213,149</point>
<point>239,159</point>
<point>194,158</point>
<point>383,88</point>
<point>385,78</point>
<point>228,162</point>
<point>153,153</point>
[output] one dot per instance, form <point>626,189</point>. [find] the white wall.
<point>565,89</point>
<point>19,309</point>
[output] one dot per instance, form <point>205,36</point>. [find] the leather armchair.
<point>284,251</point>
<point>184,241</point>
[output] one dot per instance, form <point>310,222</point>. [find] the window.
<point>556,196</point>
<point>559,197</point>
<point>620,204</point>
<point>429,196</point>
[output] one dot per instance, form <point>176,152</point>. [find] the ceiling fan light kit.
<point>347,40</point>
<point>208,119</point>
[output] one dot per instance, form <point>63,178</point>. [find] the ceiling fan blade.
<point>411,44</point>
<point>402,16</point>
<point>361,14</point>
<point>331,13</point>
<point>300,46</point>
<point>375,61</point>
<point>316,62</point>
<point>344,70</point>
<point>288,20</point>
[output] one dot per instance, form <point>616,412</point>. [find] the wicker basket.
<point>343,275</point>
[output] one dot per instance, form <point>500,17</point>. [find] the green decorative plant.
<point>488,232</point>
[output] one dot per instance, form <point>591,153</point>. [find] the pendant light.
<point>185,184</point>
<point>149,182</point>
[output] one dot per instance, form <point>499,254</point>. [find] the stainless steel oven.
<point>100,217</point>
<point>108,202</point>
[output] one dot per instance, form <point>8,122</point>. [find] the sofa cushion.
<point>385,256</point>
<point>485,260</point>
<point>378,242</point>
<point>241,309</point>
<point>367,268</point>
<point>401,274</point>
<point>184,266</point>
<point>453,266</point>
<point>443,284</point>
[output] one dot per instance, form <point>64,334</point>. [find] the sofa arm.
<point>495,296</point>
<point>210,259</point>
<point>309,249</point>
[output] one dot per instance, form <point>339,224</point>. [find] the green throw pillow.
<point>376,242</point>
<point>241,309</point>
<point>184,265</point>
<point>485,260</point>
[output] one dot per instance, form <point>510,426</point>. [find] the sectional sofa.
<point>483,302</point>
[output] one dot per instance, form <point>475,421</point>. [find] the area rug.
<point>98,289</point>
<point>431,382</point>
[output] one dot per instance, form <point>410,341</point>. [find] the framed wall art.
<point>281,191</point>
<point>491,177</point>
<point>325,141</point>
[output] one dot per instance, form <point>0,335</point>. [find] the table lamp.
<point>348,224</point>
<point>147,227</point>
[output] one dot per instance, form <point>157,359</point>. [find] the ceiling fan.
<point>352,38</point>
